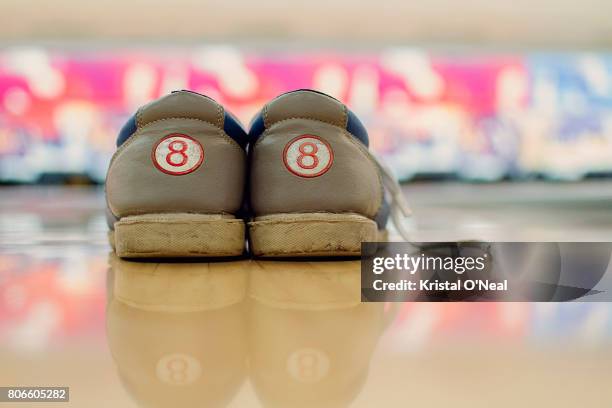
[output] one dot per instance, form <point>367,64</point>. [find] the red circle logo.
<point>177,154</point>
<point>308,156</point>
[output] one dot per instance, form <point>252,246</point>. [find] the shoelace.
<point>399,209</point>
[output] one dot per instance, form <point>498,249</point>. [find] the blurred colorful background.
<point>481,116</point>
<point>497,116</point>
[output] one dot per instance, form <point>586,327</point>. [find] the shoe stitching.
<point>351,139</point>
<point>231,142</point>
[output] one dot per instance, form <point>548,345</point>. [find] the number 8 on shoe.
<point>315,189</point>
<point>175,185</point>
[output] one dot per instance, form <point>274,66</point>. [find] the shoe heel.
<point>178,235</point>
<point>310,234</point>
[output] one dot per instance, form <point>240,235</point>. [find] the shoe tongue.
<point>306,104</point>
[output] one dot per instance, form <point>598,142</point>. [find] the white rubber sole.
<point>178,235</point>
<point>311,234</point>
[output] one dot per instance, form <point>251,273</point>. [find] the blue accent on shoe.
<point>257,127</point>
<point>231,124</point>
<point>127,130</point>
<point>356,128</point>
<point>233,128</point>
<point>353,125</point>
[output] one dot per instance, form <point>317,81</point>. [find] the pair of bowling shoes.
<point>188,181</point>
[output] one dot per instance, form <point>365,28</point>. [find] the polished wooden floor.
<point>263,333</point>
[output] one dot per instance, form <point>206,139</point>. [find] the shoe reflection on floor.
<point>177,332</point>
<point>310,337</point>
<point>186,334</point>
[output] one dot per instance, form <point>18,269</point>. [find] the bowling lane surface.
<point>263,333</point>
